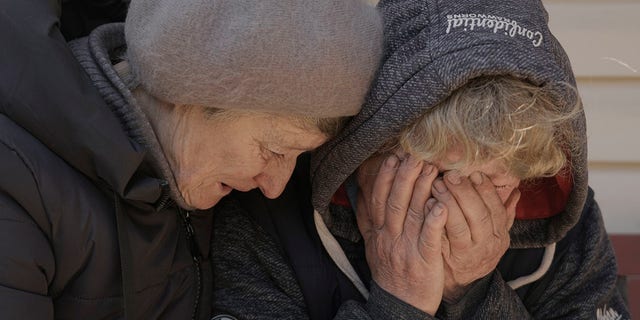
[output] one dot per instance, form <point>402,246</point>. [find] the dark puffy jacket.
<point>84,221</point>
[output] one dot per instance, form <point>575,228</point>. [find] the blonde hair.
<point>496,117</point>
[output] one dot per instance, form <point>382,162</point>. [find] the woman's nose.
<point>273,179</point>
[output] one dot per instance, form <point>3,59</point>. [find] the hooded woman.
<point>458,192</point>
<point>114,153</point>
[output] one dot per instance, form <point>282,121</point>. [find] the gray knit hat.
<point>306,57</point>
<point>434,47</point>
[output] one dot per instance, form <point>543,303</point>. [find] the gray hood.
<point>433,48</point>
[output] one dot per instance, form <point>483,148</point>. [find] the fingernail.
<point>431,202</point>
<point>391,162</point>
<point>427,169</point>
<point>476,178</point>
<point>437,210</point>
<point>410,161</point>
<point>401,154</point>
<point>440,187</point>
<point>453,176</point>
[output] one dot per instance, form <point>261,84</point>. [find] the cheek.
<point>505,192</point>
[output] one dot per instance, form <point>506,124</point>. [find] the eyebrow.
<point>295,145</point>
<point>291,145</point>
<point>301,148</point>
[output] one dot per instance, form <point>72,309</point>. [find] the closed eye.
<point>267,153</point>
<point>277,155</point>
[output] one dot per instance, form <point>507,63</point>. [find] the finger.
<point>421,192</point>
<point>368,172</point>
<point>400,194</point>
<point>431,235</point>
<point>430,203</point>
<point>456,227</point>
<point>446,249</point>
<point>380,192</point>
<point>511,204</point>
<point>492,200</point>
<point>363,218</point>
<point>475,211</point>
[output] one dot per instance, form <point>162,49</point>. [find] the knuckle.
<point>485,217</point>
<point>502,234</point>
<point>377,202</point>
<point>394,206</point>
<point>429,246</point>
<point>414,214</point>
<point>460,263</point>
<point>379,248</point>
<point>457,231</point>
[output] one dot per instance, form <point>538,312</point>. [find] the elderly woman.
<point>106,186</point>
<point>458,192</point>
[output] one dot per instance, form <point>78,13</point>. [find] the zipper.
<point>195,255</point>
<point>165,199</point>
<point>126,267</point>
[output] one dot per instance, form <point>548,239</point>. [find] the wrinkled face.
<point>212,157</point>
<point>495,170</point>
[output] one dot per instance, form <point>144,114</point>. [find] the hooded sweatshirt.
<point>560,263</point>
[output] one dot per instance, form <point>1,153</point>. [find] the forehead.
<point>490,167</point>
<point>288,132</point>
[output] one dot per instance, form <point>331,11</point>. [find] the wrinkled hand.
<point>477,228</point>
<point>403,241</point>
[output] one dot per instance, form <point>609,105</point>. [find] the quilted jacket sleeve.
<point>27,264</point>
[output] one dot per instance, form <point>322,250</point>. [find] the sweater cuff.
<point>469,302</point>
<point>383,305</point>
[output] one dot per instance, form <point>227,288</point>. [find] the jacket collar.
<point>97,54</point>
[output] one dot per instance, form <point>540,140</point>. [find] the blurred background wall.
<point>602,38</point>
